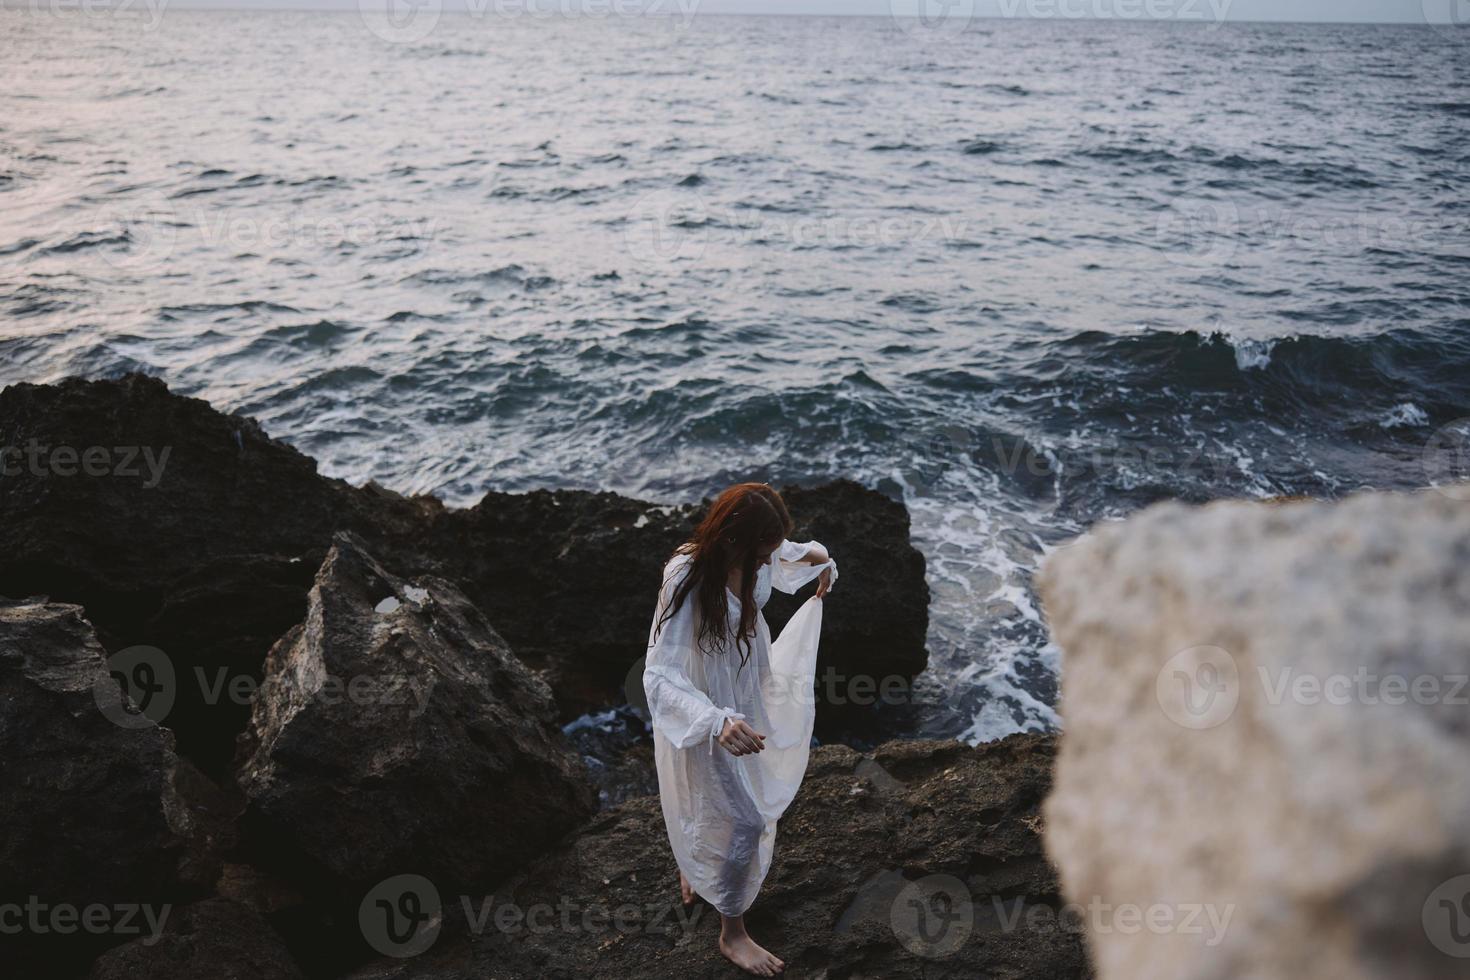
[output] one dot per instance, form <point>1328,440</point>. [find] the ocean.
<point>1025,275</point>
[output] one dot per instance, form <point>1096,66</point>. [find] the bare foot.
<point>745,953</point>
<point>685,889</point>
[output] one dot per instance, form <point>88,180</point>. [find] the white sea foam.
<point>1251,353</point>
<point>1404,415</point>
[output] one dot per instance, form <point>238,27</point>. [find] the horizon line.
<point>531,10</point>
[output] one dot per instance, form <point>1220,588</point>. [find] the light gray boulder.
<point>1265,771</point>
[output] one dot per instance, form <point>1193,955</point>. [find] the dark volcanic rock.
<point>96,808</point>
<point>569,571</point>
<point>569,578</point>
<point>876,617</point>
<point>955,829</point>
<point>215,939</point>
<point>213,559</point>
<point>215,621</point>
<point>198,563</point>
<point>72,775</point>
<point>118,545</point>
<point>395,731</point>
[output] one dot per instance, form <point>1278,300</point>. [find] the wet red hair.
<point>744,520</point>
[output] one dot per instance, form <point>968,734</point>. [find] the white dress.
<point>721,810</point>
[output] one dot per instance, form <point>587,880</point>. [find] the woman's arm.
<point>796,563</point>
<point>815,554</point>
<point>678,710</point>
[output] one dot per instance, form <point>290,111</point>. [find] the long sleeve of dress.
<point>789,573</point>
<point>678,709</point>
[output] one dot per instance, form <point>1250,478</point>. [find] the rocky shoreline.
<point>348,709</point>
<point>214,562</point>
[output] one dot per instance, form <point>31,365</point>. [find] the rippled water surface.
<point>1028,277</point>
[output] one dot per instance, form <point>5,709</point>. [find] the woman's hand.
<point>738,738</point>
<point>824,582</point>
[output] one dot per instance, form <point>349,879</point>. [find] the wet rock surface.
<point>921,859</point>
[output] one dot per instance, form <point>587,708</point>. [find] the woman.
<point>732,711</point>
